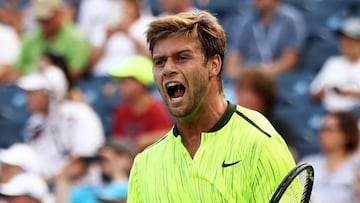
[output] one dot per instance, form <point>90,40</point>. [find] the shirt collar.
<point>231,108</point>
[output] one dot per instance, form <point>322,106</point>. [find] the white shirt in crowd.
<point>72,128</point>
<point>340,73</point>
<point>335,187</point>
<point>10,45</point>
<point>119,46</point>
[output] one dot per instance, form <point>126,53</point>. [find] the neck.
<point>208,114</point>
<point>267,16</point>
<point>335,159</point>
<point>141,103</point>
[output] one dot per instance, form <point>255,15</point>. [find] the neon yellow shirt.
<point>241,159</point>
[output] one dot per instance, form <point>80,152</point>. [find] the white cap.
<point>51,79</point>
<point>351,28</point>
<point>26,184</point>
<point>23,156</point>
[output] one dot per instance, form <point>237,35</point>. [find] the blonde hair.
<point>200,25</point>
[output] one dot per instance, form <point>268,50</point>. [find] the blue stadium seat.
<point>293,90</point>
<point>93,89</point>
<point>13,115</point>
<point>317,53</point>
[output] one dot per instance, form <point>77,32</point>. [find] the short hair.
<point>261,82</point>
<point>348,125</point>
<point>199,25</point>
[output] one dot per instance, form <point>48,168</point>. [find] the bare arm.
<point>286,62</point>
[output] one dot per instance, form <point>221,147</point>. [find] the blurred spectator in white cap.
<point>337,85</point>
<point>24,188</point>
<point>55,32</point>
<point>141,117</point>
<point>58,128</point>
<point>16,159</point>
<point>121,37</point>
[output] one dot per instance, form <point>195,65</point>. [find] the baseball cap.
<point>114,191</point>
<point>45,9</point>
<point>25,184</point>
<point>138,67</point>
<point>21,155</point>
<point>51,79</point>
<point>351,28</point>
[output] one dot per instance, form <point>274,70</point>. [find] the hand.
<point>74,169</point>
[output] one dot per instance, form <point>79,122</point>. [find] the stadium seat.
<point>13,115</point>
<point>93,89</point>
<point>317,53</point>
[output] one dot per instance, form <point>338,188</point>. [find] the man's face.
<point>181,74</point>
<point>263,5</point>
<point>37,101</point>
<point>170,6</point>
<point>131,88</point>
<point>50,26</point>
<point>350,47</point>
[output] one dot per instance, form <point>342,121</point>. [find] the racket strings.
<point>297,190</point>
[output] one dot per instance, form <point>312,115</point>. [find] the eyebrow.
<point>173,54</point>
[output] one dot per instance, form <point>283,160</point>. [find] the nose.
<point>169,68</point>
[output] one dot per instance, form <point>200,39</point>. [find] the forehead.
<point>175,44</point>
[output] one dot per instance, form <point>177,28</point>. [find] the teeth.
<point>172,84</point>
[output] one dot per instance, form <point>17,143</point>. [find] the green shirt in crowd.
<point>69,42</point>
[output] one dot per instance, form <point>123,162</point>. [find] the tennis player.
<point>216,151</point>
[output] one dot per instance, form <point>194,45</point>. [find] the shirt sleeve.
<point>134,195</point>
<point>274,163</point>
<point>321,78</point>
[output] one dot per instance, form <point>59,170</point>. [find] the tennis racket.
<point>296,186</point>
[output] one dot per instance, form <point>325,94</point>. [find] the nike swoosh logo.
<point>229,164</point>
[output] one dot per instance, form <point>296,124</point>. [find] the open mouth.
<point>175,90</point>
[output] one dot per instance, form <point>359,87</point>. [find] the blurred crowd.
<point>78,101</point>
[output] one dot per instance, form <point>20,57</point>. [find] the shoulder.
<point>72,32</point>
<point>289,12</point>
<point>156,150</point>
<point>33,36</point>
<point>255,120</point>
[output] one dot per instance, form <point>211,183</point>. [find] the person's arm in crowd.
<point>145,139</point>
<point>8,74</point>
<point>63,182</point>
<point>233,64</point>
<point>346,92</point>
<point>286,62</point>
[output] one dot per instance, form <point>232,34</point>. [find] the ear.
<point>215,65</point>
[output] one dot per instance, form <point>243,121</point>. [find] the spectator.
<point>271,36</point>
<point>256,89</point>
<point>115,160</point>
<point>123,38</point>
<point>141,117</point>
<point>17,159</point>
<point>9,49</point>
<point>56,33</point>
<point>337,85</point>
<point>335,167</point>
<point>24,188</point>
<point>170,7</point>
<point>55,128</point>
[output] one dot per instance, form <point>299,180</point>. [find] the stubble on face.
<point>188,67</point>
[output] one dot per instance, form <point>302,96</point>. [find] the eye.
<point>182,58</point>
<point>159,62</point>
